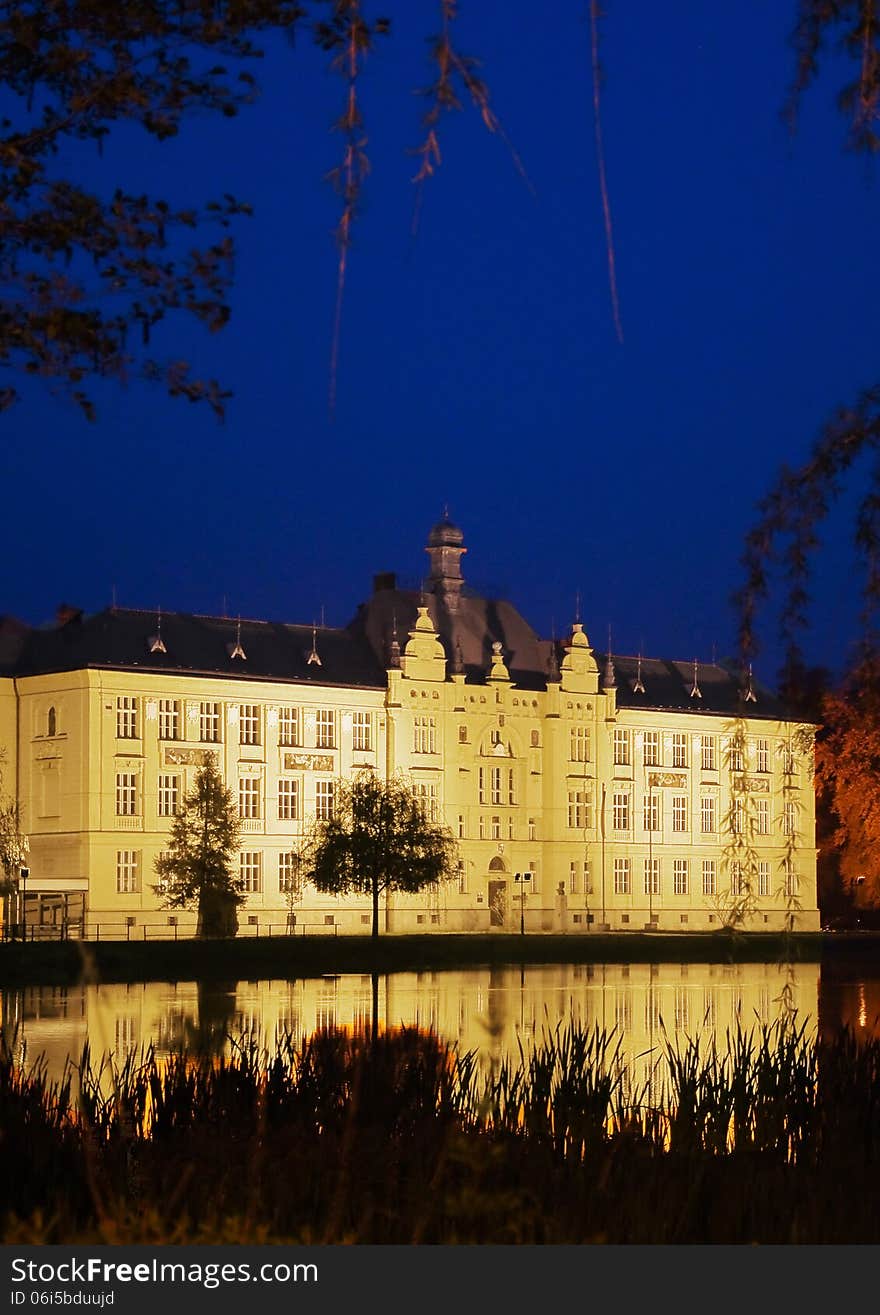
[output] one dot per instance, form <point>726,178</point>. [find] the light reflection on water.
<point>491,1010</point>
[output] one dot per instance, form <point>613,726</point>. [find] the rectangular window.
<point>325,728</point>
<point>709,876</point>
<point>426,793</point>
<point>580,810</point>
<point>533,878</point>
<point>249,723</point>
<point>679,812</point>
<point>126,794</point>
<point>787,759</point>
<point>573,885</point>
<point>362,732</point>
<point>461,826</point>
<point>651,812</point>
<point>209,723</point>
<point>620,812</point>
<point>289,728</point>
<point>462,877</point>
<point>762,817</point>
<point>496,828</point>
<point>127,717</point>
<point>679,749</point>
<point>621,876</point>
<point>736,877</point>
<point>789,819</point>
<point>708,820</point>
<point>482,785</point>
<point>652,876</point>
<point>790,879</point>
<point>651,748</point>
<point>621,747</point>
<point>511,832</point>
<point>482,827</point>
<point>580,744</point>
<point>425,735</point>
<point>738,817</point>
<point>324,800</point>
<point>680,876</point>
<point>128,871</point>
<point>288,800</point>
<point>762,755</point>
<point>763,878</point>
<point>288,874</point>
<point>533,829</point>
<point>250,868</point>
<point>708,752</point>
<point>736,758</point>
<point>168,795</point>
<point>496,785</point>
<point>249,797</point>
<point>511,787</point>
<point>169,719</point>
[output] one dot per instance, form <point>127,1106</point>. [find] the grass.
<point>773,1137</point>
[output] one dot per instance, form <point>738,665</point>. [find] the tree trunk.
<point>375,908</point>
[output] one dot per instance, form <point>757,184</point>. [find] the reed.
<point>769,1136</point>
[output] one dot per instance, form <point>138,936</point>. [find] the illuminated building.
<point>586,791</point>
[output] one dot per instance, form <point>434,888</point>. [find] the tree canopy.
<point>197,870</point>
<point>379,839</point>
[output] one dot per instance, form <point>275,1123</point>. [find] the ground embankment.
<point>53,962</point>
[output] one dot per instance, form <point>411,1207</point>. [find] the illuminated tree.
<point>848,776</point>
<point>379,839</point>
<point>197,870</point>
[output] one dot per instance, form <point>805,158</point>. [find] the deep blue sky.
<point>479,364</point>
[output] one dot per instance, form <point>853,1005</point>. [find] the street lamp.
<point>23,874</point>
<point>522,877</point>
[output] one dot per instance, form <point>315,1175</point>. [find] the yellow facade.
<point>621,817</point>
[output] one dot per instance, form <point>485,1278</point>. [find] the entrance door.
<point>497,903</point>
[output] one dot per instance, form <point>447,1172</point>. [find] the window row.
<point>249,717</point>
<point>169,797</point>
<point>129,877</point>
<point>740,883</point>
<point>741,817</point>
<point>673,749</point>
<point>497,785</point>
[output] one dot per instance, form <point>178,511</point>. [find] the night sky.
<point>479,364</point>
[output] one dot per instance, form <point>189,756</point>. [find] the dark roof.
<point>120,638</point>
<point>358,655</point>
<point>668,684</point>
<point>471,628</point>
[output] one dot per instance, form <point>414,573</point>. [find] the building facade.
<point>586,791</point>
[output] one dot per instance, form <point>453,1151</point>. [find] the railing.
<point>122,931</point>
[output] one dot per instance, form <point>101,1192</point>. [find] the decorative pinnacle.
<point>609,680</point>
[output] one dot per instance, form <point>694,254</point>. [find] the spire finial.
<point>394,646</point>
<point>156,642</point>
<point>313,659</point>
<point>609,681</point>
<point>750,696</point>
<point>638,687</point>
<point>577,606</point>
<point>695,691</point>
<point>236,650</point>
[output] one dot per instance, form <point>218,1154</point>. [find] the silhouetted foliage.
<point>197,870</point>
<point>379,839</point>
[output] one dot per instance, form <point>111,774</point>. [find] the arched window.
<point>497,865</point>
<point>50,722</point>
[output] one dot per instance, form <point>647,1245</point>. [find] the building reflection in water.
<point>492,1011</point>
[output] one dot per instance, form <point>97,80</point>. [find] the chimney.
<point>384,580</point>
<point>64,614</point>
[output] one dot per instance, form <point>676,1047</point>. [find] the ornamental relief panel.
<point>189,757</point>
<point>313,762</point>
<point>667,780</point>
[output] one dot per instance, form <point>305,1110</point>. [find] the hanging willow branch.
<point>456,78</point>
<point>855,26</point>
<point>350,37</point>
<point>786,533</point>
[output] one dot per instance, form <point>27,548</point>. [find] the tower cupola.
<point>445,549</point>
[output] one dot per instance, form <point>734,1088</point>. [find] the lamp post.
<point>23,874</point>
<point>521,878</point>
<point>651,851</point>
